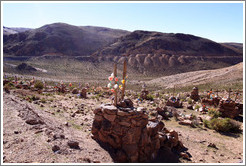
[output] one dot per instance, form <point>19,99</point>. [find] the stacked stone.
<point>144,94</point>
<point>83,93</point>
<point>131,134</point>
<point>173,102</point>
<point>194,94</point>
<point>229,108</point>
<point>214,101</point>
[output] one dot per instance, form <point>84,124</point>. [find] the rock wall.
<point>131,134</point>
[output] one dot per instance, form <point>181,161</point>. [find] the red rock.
<point>111,118</point>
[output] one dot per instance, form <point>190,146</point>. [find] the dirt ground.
<point>61,119</point>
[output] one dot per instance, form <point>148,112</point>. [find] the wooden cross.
<point>217,91</point>
<point>173,89</point>
<point>237,93</point>
<point>229,93</point>
<point>124,78</point>
<point>115,92</point>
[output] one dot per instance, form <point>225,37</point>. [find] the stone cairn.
<point>194,94</point>
<point>134,137</point>
<point>229,108</point>
<point>174,101</point>
<point>83,93</point>
<point>144,93</point>
<point>130,133</point>
<point>211,99</point>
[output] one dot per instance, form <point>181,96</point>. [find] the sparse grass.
<point>150,97</point>
<point>223,125</point>
<point>214,113</point>
<point>197,106</point>
<point>43,100</point>
<point>189,101</point>
<point>39,85</point>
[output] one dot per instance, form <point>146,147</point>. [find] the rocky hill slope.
<point>146,42</point>
<point>221,76</point>
<point>8,31</point>
<point>145,51</point>
<point>61,39</point>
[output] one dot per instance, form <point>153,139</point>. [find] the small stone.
<point>184,155</point>
<point>16,132</point>
<point>122,113</point>
<point>73,144</point>
<point>141,109</point>
<point>111,118</point>
<point>41,105</point>
<point>125,124</point>
<point>212,145</point>
<point>55,148</point>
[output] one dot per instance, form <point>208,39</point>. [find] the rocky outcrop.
<point>133,137</point>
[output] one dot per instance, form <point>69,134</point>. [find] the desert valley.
<point>87,94</point>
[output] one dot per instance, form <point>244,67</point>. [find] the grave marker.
<point>115,92</point>
<point>124,80</point>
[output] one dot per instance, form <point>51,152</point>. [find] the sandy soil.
<point>67,118</point>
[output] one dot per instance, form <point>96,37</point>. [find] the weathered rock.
<point>190,106</point>
<point>73,144</point>
<point>55,148</point>
<point>83,93</point>
<point>34,121</point>
<point>112,110</point>
<point>212,145</point>
<point>109,117</point>
<point>75,91</point>
<point>186,122</point>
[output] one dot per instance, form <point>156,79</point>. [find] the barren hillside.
<point>224,75</point>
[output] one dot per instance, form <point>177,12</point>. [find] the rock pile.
<point>229,108</point>
<point>214,101</point>
<point>172,101</point>
<point>133,137</point>
<point>194,94</point>
<point>83,93</point>
<point>144,94</point>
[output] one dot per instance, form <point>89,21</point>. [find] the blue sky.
<point>221,22</point>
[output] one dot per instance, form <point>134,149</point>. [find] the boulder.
<point>75,91</point>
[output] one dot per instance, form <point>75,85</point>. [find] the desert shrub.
<point>214,113</point>
<point>189,101</point>
<point>51,100</point>
<point>11,85</point>
<point>43,100</point>
<point>223,125</point>
<point>39,85</point>
<point>150,97</point>
<point>206,123</point>
<point>197,107</point>
<point>7,88</point>
<point>34,98</point>
<point>193,116</point>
